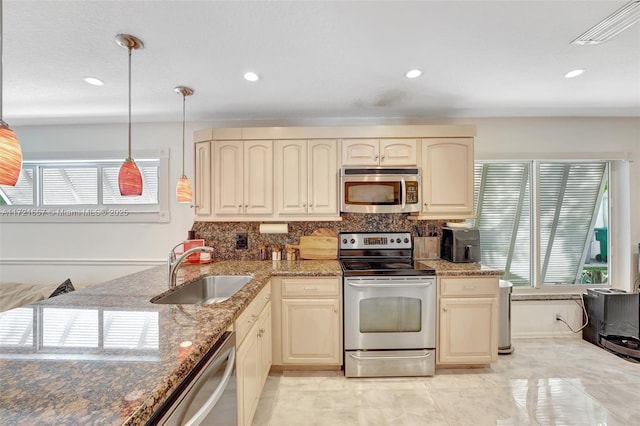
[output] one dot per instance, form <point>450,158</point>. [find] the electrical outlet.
<point>242,241</point>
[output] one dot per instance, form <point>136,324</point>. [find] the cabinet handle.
<point>253,318</point>
<point>382,159</point>
<point>335,309</point>
<point>469,287</point>
<point>376,157</point>
<point>239,206</point>
<point>267,297</point>
<point>304,205</point>
<point>311,289</point>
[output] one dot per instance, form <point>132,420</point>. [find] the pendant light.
<point>10,151</point>
<point>129,177</point>
<point>183,188</point>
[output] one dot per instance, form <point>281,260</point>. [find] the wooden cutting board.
<point>318,247</point>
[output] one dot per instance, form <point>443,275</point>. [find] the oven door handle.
<point>373,284</point>
<point>403,192</point>
<point>374,358</point>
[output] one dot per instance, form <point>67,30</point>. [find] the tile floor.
<point>544,382</point>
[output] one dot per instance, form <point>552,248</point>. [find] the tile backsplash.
<point>222,235</point>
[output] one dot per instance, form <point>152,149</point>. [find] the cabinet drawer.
<point>473,286</point>
<point>251,314</point>
<point>314,287</point>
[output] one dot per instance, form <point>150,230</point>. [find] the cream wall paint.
<point>90,253</point>
<point>128,247</point>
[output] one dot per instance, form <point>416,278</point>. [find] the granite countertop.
<point>107,355</point>
<point>449,269</point>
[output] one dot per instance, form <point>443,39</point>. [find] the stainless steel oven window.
<point>390,315</point>
<point>377,193</point>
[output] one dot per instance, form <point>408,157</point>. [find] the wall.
<point>90,253</point>
<point>45,252</point>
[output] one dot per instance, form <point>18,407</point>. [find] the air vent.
<point>612,25</point>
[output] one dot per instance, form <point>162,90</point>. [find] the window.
<point>82,190</point>
<point>564,203</point>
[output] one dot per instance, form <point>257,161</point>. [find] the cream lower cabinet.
<point>468,320</point>
<point>309,321</point>
<point>253,356</point>
<point>447,178</point>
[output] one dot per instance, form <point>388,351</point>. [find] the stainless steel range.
<point>389,306</point>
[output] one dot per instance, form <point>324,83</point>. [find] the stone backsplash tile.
<point>221,235</point>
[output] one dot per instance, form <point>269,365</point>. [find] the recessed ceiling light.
<point>574,73</point>
<point>413,73</point>
<point>93,81</point>
<point>251,76</point>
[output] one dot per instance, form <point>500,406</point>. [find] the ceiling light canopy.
<point>414,73</point>
<point>129,176</point>
<point>574,73</point>
<point>251,76</point>
<point>10,150</point>
<point>183,188</point>
<point>612,25</point>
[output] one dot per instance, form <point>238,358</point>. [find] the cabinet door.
<point>291,177</point>
<point>203,188</point>
<point>247,377</point>
<point>322,184</point>
<point>447,177</point>
<point>264,343</point>
<point>310,331</point>
<point>398,152</point>
<point>360,152</point>
<point>468,330</point>
<point>227,167</point>
<point>258,177</point>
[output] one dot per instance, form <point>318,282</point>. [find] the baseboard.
<point>545,335</point>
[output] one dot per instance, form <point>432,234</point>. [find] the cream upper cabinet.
<point>379,152</point>
<point>243,177</point>
<point>202,191</point>
<point>468,320</point>
<point>306,177</point>
<point>447,178</point>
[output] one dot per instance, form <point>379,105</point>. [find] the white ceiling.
<point>316,59</point>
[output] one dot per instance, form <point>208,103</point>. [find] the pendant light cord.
<point>129,158</point>
<point>184,99</point>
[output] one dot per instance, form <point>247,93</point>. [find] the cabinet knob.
<point>376,157</point>
<point>239,206</point>
<point>246,205</point>
<point>335,309</point>
<point>304,205</point>
<point>444,309</point>
<point>382,158</point>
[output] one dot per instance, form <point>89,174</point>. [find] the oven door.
<point>389,313</point>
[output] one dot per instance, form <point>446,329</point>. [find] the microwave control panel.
<point>412,193</point>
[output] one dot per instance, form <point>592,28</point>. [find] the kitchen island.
<point>106,355</point>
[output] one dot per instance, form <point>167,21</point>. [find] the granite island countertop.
<point>106,355</point>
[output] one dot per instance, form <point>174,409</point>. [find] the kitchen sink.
<point>205,290</point>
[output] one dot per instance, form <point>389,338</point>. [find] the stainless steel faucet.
<point>174,263</point>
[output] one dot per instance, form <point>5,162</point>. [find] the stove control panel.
<point>375,240</point>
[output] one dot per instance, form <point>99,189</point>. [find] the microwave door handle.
<point>206,408</point>
<point>403,192</point>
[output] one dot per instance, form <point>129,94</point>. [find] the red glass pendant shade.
<point>183,190</point>
<point>130,179</point>
<point>10,157</point>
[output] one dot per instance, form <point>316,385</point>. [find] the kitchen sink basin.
<point>205,290</point>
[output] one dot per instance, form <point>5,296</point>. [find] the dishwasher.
<point>208,394</point>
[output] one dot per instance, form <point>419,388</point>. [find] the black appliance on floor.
<point>614,321</point>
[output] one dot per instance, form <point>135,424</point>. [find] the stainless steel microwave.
<point>380,190</point>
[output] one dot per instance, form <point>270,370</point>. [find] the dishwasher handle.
<point>206,408</point>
